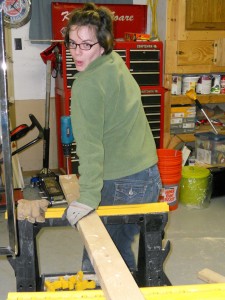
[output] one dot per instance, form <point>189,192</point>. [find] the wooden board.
<point>112,272</point>
<point>219,56</point>
<point>70,187</point>
<point>210,276</point>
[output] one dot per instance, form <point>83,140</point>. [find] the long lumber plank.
<point>115,279</point>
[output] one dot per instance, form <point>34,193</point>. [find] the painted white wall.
<point>161,17</point>
<point>29,70</point>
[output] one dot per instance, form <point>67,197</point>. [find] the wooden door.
<point>195,53</point>
<point>205,15</point>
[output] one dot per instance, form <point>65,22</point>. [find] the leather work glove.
<point>32,210</point>
<point>77,211</point>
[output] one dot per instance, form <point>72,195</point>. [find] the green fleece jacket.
<point>109,125</point>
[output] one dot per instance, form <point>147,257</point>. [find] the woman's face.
<point>86,35</point>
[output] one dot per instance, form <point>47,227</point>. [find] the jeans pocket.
<point>128,193</point>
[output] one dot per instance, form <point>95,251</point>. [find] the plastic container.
<point>215,89</point>
<point>195,187</point>
<point>210,148</point>
<point>176,84</point>
<point>222,84</point>
<point>189,82</point>
<point>204,84</point>
<point>170,167</point>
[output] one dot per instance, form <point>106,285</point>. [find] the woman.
<point>115,145</point>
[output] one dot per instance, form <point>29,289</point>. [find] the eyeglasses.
<point>82,46</point>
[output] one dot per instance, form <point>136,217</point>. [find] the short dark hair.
<point>101,18</point>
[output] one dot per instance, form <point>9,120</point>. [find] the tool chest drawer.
<point>144,66</point>
<point>146,78</point>
<point>152,110</point>
<point>152,54</point>
<point>70,69</point>
<point>144,60</point>
<point>153,104</point>
<point>122,54</point>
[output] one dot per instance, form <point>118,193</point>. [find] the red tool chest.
<point>145,62</point>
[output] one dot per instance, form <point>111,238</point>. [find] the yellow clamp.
<point>75,282</point>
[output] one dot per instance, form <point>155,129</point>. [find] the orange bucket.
<point>171,179</point>
<point>169,194</point>
<point>170,168</point>
<point>169,154</point>
<point>170,174</point>
<point>172,163</point>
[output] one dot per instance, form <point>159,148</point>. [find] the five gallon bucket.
<point>195,187</point>
<point>170,167</point>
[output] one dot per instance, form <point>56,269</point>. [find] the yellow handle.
<point>191,94</point>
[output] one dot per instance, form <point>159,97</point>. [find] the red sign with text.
<point>127,18</point>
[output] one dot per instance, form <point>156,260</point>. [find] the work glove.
<point>32,210</point>
<point>77,211</point>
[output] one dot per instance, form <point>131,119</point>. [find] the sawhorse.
<point>152,219</point>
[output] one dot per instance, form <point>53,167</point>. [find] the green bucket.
<point>195,187</point>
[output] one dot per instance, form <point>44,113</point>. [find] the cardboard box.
<point>174,121</point>
<point>210,148</point>
<point>182,119</point>
<point>132,36</point>
<point>183,111</point>
<point>181,130</point>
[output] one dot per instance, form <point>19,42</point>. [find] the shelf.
<point>189,137</point>
<point>204,99</point>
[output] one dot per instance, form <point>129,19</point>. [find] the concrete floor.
<point>197,241</point>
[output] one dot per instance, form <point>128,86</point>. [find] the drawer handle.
<point>179,52</point>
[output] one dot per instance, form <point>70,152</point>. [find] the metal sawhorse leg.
<point>151,255</point>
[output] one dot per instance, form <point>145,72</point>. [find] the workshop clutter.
<point>210,148</point>
<point>136,37</point>
<point>170,168</point>
<point>195,187</point>
<point>182,119</point>
<point>201,83</point>
<point>186,118</point>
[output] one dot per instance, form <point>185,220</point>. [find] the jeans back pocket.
<point>129,193</point>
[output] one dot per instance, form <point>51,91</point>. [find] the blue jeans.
<point>139,188</point>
